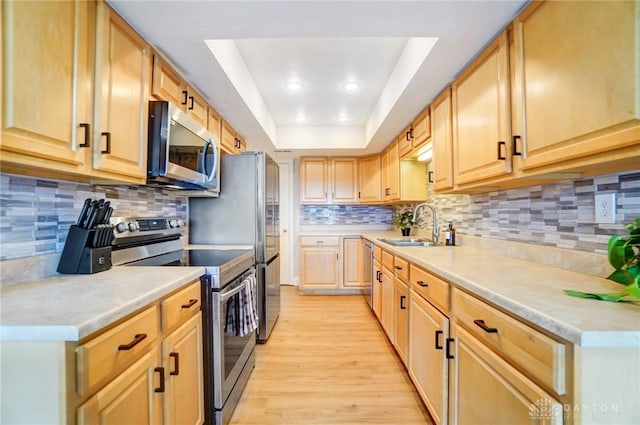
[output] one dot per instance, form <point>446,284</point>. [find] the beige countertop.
<point>71,307</point>
<point>531,291</point>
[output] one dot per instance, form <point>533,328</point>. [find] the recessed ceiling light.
<point>343,118</point>
<point>300,117</point>
<point>294,85</point>
<point>350,86</point>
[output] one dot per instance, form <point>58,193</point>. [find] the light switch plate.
<point>605,208</point>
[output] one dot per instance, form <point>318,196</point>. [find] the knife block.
<point>79,257</point>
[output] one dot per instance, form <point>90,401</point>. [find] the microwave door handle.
<point>224,296</point>
<point>209,176</point>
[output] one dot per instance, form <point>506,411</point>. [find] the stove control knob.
<point>121,227</point>
<point>173,223</point>
<point>133,226</point>
<point>180,223</point>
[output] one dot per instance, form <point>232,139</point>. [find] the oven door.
<point>230,352</point>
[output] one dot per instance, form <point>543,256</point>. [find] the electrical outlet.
<point>605,208</point>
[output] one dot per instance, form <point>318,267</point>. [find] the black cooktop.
<point>194,257</point>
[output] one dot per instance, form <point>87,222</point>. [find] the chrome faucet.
<point>435,232</point>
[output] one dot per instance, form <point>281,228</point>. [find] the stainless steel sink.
<point>408,242</point>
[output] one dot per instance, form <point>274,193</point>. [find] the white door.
<point>286,225</point>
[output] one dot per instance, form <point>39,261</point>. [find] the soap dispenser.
<point>450,235</point>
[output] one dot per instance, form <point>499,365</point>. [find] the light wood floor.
<point>328,362</point>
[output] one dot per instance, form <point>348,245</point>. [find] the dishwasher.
<point>367,270</point>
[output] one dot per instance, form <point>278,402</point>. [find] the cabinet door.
<point>578,81</point>
<point>351,263</point>
<point>47,80</point>
<point>370,179</point>
<point>401,316</point>
<point>134,397</point>
<point>421,130</point>
<point>344,180</point>
<point>313,181</point>
<point>196,106</point>
<point>182,359</point>
<point>166,84</point>
<point>122,67</point>
<point>428,365</point>
<point>387,302</point>
<point>227,135</point>
<point>319,267</point>
<point>214,123</point>
<point>376,289</point>
<point>487,390</point>
<point>393,170</point>
<point>405,141</point>
<point>481,116</point>
<point>441,138</point>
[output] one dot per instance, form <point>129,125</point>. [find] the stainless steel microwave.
<point>182,153</point>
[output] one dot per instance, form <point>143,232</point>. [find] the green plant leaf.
<point>617,249</point>
<point>634,288</point>
<point>613,297</point>
<point>621,276</point>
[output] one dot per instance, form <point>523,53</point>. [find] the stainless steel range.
<point>229,355</point>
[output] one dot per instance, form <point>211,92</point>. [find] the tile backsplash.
<point>558,214</point>
<point>345,214</point>
<point>35,214</point>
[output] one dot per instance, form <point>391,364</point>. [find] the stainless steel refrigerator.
<point>247,212</point>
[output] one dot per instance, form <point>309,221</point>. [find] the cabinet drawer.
<point>319,240</point>
<point>387,260</point>
<point>401,268</point>
<point>430,287</point>
<point>115,349</point>
<point>180,306</point>
<point>377,253</point>
<point>542,357</point>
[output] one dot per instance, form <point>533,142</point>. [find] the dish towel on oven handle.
<point>242,317</point>
<point>248,302</point>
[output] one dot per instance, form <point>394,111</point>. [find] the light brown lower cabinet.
<point>401,318</point>
<point>134,397</point>
<point>387,302</point>
<point>376,290</point>
<point>428,366</point>
<point>485,389</point>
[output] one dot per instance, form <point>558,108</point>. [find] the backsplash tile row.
<point>35,214</point>
<point>345,214</point>
<point>559,214</point>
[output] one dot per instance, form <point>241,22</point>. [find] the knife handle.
<point>83,211</point>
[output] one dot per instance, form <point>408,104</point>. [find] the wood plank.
<point>328,362</point>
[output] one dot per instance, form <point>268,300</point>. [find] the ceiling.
<point>242,54</point>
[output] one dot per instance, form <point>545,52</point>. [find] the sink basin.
<point>407,242</point>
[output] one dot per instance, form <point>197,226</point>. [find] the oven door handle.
<point>226,295</point>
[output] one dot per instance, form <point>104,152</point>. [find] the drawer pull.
<point>448,354</point>
<point>136,340</point>
<point>398,268</point>
<point>160,389</point>
<point>176,364</point>
<point>191,303</point>
<point>379,276</point>
<point>402,306</point>
<point>319,241</point>
<point>438,343</point>
<point>421,283</point>
<point>481,325</point>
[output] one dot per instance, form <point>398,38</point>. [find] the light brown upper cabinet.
<point>441,139</point>
<point>214,123</point>
<point>481,116</point>
<point>577,83</point>
<point>231,142</point>
<point>168,85</point>
<point>404,142</point>
<point>391,172</point>
<point>47,97</point>
<point>344,180</point>
<point>369,173</point>
<point>314,180</point>
<point>328,180</point>
<point>121,96</point>
<point>415,136</point>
